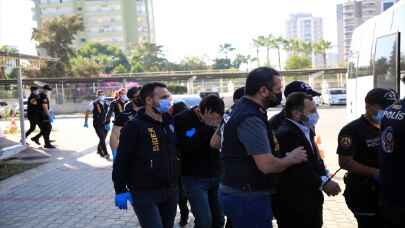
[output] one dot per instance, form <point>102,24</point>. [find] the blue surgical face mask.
<point>313,119</point>
<point>164,106</point>
<point>378,116</point>
<point>101,98</point>
<point>124,98</point>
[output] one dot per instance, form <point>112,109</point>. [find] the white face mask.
<point>101,98</point>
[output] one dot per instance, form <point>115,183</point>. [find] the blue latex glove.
<point>114,153</point>
<point>86,125</point>
<point>52,117</point>
<point>121,200</point>
<point>107,127</point>
<point>190,133</point>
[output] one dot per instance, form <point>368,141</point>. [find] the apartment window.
<point>385,62</point>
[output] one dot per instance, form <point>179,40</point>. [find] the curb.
<point>10,151</point>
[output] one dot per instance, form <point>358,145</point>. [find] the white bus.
<point>376,58</point>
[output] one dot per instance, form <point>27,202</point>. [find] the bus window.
<point>385,62</point>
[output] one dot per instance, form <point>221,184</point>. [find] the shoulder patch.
<point>33,101</point>
<point>387,140</point>
<point>345,141</point>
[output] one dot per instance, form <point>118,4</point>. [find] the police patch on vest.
<point>345,142</point>
<point>387,140</point>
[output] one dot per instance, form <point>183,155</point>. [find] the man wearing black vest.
<point>247,153</point>
<point>201,164</point>
<point>131,108</point>
<point>116,107</point>
<point>44,118</point>
<point>392,160</point>
<point>145,171</point>
<point>99,109</point>
<point>300,199</point>
<point>33,110</point>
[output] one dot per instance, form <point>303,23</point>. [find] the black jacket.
<point>300,184</point>
<point>198,159</point>
<point>146,158</point>
<point>116,107</point>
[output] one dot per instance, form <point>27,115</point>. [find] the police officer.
<point>45,118</point>
<point>201,164</point>
<point>392,160</point>
<point>247,150</point>
<point>33,109</point>
<point>145,168</point>
<point>359,144</point>
<point>295,86</point>
<point>129,113</point>
<point>116,107</point>
<point>99,109</point>
<point>134,102</point>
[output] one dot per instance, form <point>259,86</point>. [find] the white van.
<point>376,58</point>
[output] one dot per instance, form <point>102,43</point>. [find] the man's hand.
<point>331,188</point>
<point>107,127</point>
<point>86,125</point>
<point>296,156</point>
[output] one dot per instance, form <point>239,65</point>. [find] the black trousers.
<point>46,128</point>
<point>291,216</point>
<point>183,202</point>
<point>33,123</point>
<point>102,135</point>
<point>394,217</point>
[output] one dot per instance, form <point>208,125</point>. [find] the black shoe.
<point>52,141</point>
<point>107,157</point>
<point>183,222</point>
<point>35,140</point>
<point>49,146</point>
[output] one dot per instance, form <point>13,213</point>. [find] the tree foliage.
<point>298,62</point>
<point>56,37</point>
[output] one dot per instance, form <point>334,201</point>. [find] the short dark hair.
<point>179,107</point>
<point>147,89</point>
<point>212,103</point>
<point>259,77</point>
<point>296,102</point>
<point>133,91</point>
<point>238,94</point>
<point>99,91</point>
<point>33,88</point>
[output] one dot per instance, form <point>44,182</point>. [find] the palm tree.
<point>267,43</point>
<point>277,43</point>
<point>258,43</point>
<point>226,48</point>
<point>321,47</point>
<point>306,48</point>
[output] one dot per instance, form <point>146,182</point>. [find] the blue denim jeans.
<point>247,209</point>
<point>203,196</point>
<point>157,208</point>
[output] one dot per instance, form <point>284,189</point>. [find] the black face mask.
<point>275,100</point>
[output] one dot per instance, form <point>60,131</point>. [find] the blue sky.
<point>192,27</point>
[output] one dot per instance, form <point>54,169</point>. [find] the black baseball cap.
<point>46,87</point>
<point>300,86</point>
<point>381,97</point>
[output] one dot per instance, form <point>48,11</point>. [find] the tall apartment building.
<point>386,4</point>
<point>116,22</point>
<point>307,28</point>
<point>351,15</point>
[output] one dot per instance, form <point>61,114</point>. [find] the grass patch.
<point>9,169</point>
